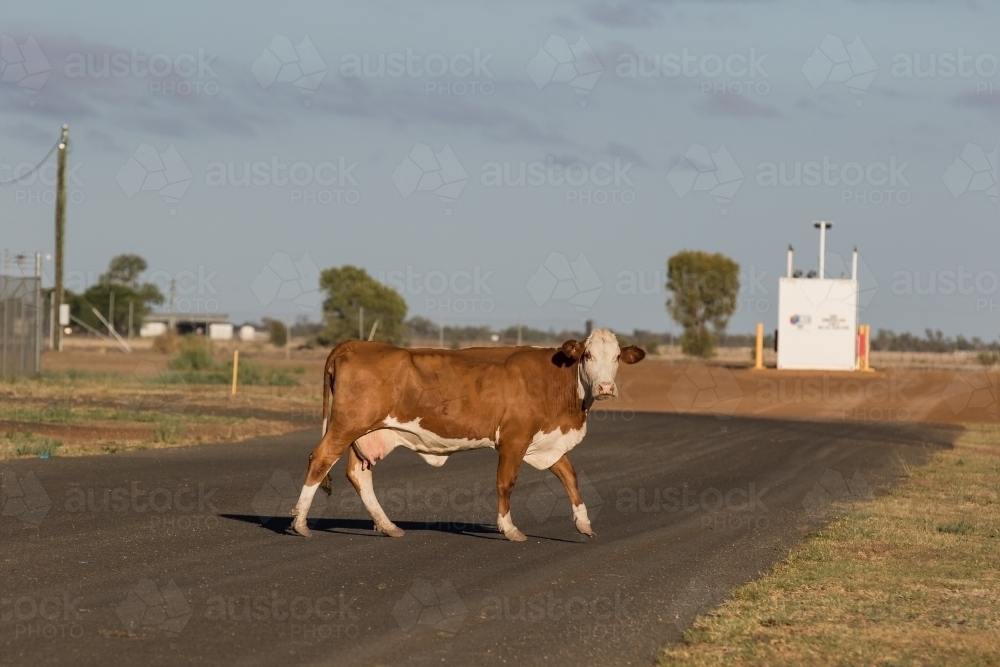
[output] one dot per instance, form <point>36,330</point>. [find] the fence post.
<point>236,368</point>
<point>759,352</point>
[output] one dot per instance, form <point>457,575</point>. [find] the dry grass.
<point>912,578</point>
<point>81,413</point>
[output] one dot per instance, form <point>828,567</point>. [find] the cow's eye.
<point>587,356</point>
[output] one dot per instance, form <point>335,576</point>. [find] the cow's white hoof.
<point>392,530</point>
<point>514,535</point>
<point>301,528</point>
<point>586,529</point>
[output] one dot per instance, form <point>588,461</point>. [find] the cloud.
<point>623,14</point>
<point>616,149</point>
<point>407,106</point>
<point>82,86</point>
<point>987,103</point>
<point>32,133</point>
<point>736,105</point>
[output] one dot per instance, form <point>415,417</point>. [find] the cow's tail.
<point>329,371</point>
<point>327,380</point>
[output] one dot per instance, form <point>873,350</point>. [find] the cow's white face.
<point>599,357</point>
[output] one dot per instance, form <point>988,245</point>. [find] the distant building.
<point>158,324</point>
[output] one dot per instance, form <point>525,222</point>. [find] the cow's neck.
<point>585,398</point>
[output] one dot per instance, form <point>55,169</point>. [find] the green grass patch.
<point>911,578</point>
<point>194,365</point>
<point>169,432</point>
<point>69,415</point>
<point>25,443</point>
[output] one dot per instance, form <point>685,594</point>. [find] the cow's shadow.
<point>282,525</point>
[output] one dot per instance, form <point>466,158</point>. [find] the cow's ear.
<point>632,354</point>
<point>573,349</point>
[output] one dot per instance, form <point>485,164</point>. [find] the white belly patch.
<point>433,448</point>
<point>545,448</point>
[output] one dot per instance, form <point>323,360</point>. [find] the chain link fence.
<point>21,318</point>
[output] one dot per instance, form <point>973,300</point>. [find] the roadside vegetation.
<point>911,578</point>
<point>183,400</point>
<point>194,364</point>
<point>26,443</point>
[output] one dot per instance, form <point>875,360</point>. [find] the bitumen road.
<point>184,556</point>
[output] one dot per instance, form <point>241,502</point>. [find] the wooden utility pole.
<point>60,233</point>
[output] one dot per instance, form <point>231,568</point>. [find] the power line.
<point>35,168</point>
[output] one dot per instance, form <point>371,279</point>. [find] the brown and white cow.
<point>528,403</point>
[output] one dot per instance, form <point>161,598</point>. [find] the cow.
<point>528,403</point>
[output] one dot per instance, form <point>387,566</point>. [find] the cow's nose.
<point>605,389</point>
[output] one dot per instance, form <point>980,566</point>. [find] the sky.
<point>496,162</point>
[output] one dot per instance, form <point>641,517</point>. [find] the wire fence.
<point>21,317</point>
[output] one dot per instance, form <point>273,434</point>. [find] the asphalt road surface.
<point>183,556</point>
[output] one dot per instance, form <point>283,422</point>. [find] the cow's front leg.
<point>563,469</point>
<point>510,463</point>
<point>361,478</point>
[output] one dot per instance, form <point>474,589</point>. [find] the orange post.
<point>236,368</point>
<point>759,353</point>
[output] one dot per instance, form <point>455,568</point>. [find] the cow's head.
<point>599,357</point>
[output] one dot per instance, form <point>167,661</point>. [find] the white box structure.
<point>817,324</point>
<point>220,331</point>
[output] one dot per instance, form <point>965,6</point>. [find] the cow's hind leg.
<point>321,460</point>
<point>563,469</point>
<point>361,478</point>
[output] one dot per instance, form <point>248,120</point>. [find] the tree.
<point>121,280</point>
<point>704,289</point>
<point>125,270</point>
<point>277,331</point>
<point>349,289</point>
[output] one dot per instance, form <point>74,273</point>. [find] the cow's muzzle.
<point>605,390</point>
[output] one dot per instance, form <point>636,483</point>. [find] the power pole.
<point>39,313</point>
<point>171,320</point>
<point>60,229</point>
